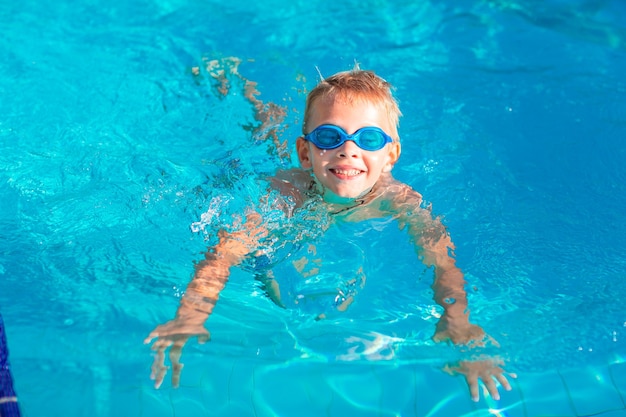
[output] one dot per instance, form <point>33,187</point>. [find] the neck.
<point>337,203</point>
<point>332,198</point>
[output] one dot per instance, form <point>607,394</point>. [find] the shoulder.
<point>398,194</point>
<point>388,197</point>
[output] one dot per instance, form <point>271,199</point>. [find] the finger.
<point>153,334</point>
<point>492,388</point>
<point>160,377</point>
<point>504,382</point>
<point>176,375</point>
<point>161,344</point>
<point>159,370</point>
<point>177,367</point>
<point>472,382</point>
<point>159,359</point>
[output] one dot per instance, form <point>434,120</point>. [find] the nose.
<point>349,149</point>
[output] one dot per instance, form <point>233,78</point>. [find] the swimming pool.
<point>111,150</point>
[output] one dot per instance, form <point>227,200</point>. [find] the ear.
<point>392,157</point>
<point>304,153</point>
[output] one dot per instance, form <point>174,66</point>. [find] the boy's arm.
<point>435,248</point>
<point>201,295</point>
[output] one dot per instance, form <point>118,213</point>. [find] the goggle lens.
<point>331,137</point>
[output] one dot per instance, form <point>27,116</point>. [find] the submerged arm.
<point>435,248</point>
<point>201,295</point>
<point>212,273</point>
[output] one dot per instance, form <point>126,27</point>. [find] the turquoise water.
<point>113,155</point>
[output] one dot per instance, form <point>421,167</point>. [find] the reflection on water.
<point>378,347</point>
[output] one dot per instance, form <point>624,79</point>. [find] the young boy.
<point>349,146</point>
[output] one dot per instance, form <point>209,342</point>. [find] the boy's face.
<point>348,171</point>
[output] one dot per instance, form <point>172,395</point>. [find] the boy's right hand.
<point>175,333</point>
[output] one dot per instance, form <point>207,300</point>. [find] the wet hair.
<point>352,86</point>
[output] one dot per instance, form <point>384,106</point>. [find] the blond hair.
<point>352,86</point>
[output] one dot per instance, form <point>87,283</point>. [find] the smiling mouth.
<point>346,173</point>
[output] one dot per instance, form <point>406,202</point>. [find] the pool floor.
<point>309,388</point>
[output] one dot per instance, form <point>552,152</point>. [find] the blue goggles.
<point>331,137</point>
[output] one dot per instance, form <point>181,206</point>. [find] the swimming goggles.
<point>331,137</point>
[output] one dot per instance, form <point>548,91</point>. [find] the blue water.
<point>111,151</point>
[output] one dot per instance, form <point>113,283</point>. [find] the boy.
<point>349,146</point>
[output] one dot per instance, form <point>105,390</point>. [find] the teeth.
<point>348,172</point>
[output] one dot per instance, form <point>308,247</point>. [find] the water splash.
<point>217,205</point>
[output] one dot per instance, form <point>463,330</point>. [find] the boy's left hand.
<point>488,371</point>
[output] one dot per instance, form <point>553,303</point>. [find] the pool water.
<point>121,153</point>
